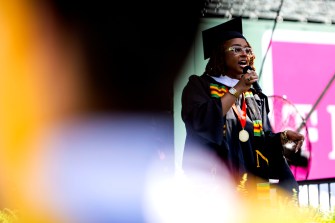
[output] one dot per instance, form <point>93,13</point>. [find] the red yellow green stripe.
<point>263,191</point>
<point>217,91</point>
<point>248,94</point>
<point>263,186</point>
<point>258,127</point>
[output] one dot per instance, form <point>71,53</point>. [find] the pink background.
<point>301,71</point>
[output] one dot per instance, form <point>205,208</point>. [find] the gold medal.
<point>243,135</point>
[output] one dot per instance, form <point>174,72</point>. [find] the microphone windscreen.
<point>255,84</point>
<point>246,68</point>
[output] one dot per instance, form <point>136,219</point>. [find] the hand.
<point>247,80</point>
<point>296,138</point>
<point>292,142</point>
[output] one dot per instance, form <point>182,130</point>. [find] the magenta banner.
<point>300,68</point>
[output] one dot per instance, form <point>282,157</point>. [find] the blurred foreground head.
<point>73,74</point>
<point>130,51</point>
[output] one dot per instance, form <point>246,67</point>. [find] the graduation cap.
<point>214,36</point>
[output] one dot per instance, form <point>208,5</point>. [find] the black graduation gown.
<point>207,130</point>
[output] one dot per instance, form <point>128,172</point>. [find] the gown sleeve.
<point>279,168</point>
<point>202,113</point>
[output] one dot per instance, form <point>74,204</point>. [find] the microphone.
<point>255,85</point>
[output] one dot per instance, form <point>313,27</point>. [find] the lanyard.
<point>242,117</point>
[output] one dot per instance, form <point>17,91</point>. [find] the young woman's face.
<point>237,54</point>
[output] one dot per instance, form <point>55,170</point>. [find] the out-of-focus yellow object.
<point>38,87</point>
<point>19,116</point>
<point>8,216</point>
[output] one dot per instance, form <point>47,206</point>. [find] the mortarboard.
<point>212,37</point>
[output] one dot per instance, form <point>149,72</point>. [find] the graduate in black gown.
<point>226,117</point>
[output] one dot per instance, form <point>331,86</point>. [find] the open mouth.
<point>243,63</point>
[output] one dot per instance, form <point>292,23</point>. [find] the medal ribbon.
<point>243,117</point>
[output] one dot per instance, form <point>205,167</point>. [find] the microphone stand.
<point>316,103</point>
